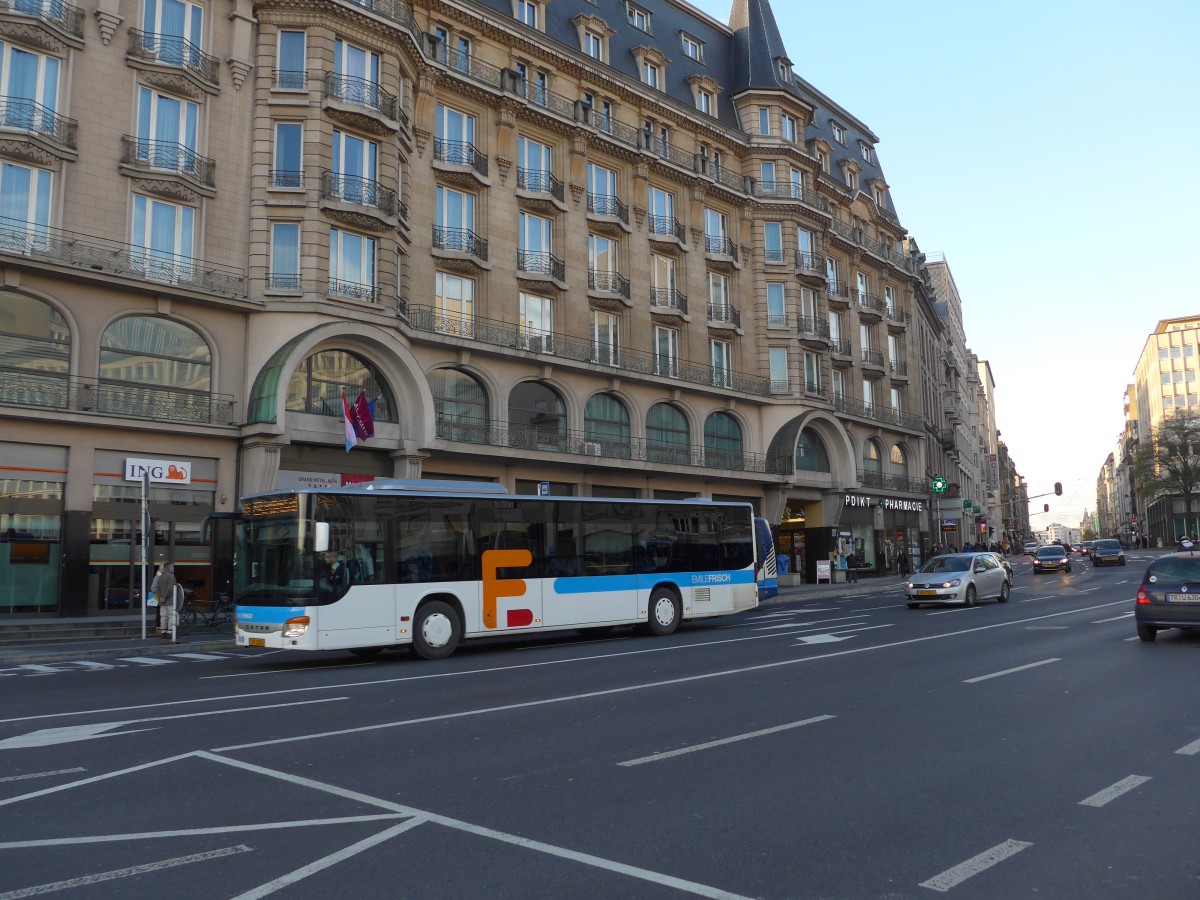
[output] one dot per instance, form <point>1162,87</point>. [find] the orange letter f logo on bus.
<point>494,588</point>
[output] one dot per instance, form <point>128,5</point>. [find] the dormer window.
<point>784,68</point>
<point>839,133</point>
<point>692,47</point>
<point>528,12</point>
<point>593,36</point>
<point>822,152</point>
<point>652,66</point>
<point>704,92</point>
<point>868,152</point>
<point>850,173</point>
<point>706,102</point>
<point>650,74</point>
<point>638,17</point>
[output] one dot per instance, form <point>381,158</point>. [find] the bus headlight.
<point>295,627</point>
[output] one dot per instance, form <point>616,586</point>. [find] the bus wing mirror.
<point>320,537</point>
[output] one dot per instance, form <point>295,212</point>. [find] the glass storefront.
<point>32,486</point>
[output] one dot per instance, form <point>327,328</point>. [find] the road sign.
<point>967,504</point>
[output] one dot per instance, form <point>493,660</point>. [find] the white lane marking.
<point>199,656</point>
<point>198,832</point>
<point>1044,662</point>
<point>1088,590</point>
<point>380,682</point>
<point>92,665</point>
<point>47,737</point>
<point>655,757</point>
<point>124,873</point>
<point>326,861</point>
<point>598,862</point>
<point>1134,638</point>
<point>1113,619</point>
<point>821,639</point>
<point>1112,793</point>
<point>42,774</point>
<point>335,666</point>
<point>810,623</point>
<point>1190,749</point>
<point>1032,599</point>
<point>148,660</point>
<point>973,866</point>
<point>35,669</point>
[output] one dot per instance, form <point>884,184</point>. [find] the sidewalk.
<point>102,647</point>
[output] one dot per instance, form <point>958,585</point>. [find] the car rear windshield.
<point>1185,568</point>
<point>1107,546</point>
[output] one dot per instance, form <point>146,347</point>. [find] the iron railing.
<point>539,181</point>
<point>773,254</point>
<point>891,482</point>
<point>607,205</point>
<point>355,290</point>
<point>54,12</point>
<point>812,326</point>
<point>356,91</point>
<point>667,226</point>
<point>877,412</point>
<point>872,358</point>
<point>359,191</point>
<point>461,153</point>
<point>462,239</point>
<point>289,79</point>
<point>839,347</point>
<point>286,178</point>
<point>897,315</point>
<point>870,303</point>
<point>171,50</point>
<point>29,115</point>
<point>80,251</point>
<point>541,263</point>
<point>168,156</point>
<point>899,368</point>
<point>468,65</point>
<point>807,260</point>
<point>724,312</point>
<point>669,298</point>
<point>608,282</point>
<point>496,333</point>
<point>721,245</point>
<point>72,393</point>
<point>785,190</point>
<point>288,282</point>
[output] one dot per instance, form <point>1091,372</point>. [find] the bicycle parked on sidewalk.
<point>206,612</point>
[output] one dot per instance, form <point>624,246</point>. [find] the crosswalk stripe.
<point>197,655</point>
<point>91,664</point>
<point>148,660</point>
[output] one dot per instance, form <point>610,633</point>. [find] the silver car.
<point>964,578</point>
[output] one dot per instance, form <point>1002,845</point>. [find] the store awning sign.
<point>161,471</point>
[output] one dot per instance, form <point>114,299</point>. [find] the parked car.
<point>1051,558</point>
<point>1108,553</point>
<point>1169,596</point>
<point>962,578</point>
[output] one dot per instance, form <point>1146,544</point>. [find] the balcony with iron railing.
<point>541,263</point>
<point>174,52</point>
<point>665,228</point>
<point>870,307</point>
<point>492,332</point>
<point>468,65</point>
<point>60,16</point>
<point>621,450</point>
<point>607,205</point>
<point>815,389</point>
<point>286,179</point>
<point>809,263</point>
<point>604,282</point>
<point>361,102</point>
<point>539,181</point>
<point>813,329</point>
<point>896,317</point>
<point>362,193</point>
<point>724,313</point>
<point>461,240</point>
<point>397,11</point>
<point>461,153</point>
<point>785,190</point>
<point>773,255</point>
<point>70,393</point>
<point>668,300</point>
<point>872,359</point>
<point>541,97</point>
<point>353,290</point>
<point>723,175</point>
<point>167,156</point>
<point>720,245</point>
<point>888,481</point>
<point>29,242</point>
<point>840,347</point>
<point>836,292</point>
<point>19,114</point>
<point>899,369</point>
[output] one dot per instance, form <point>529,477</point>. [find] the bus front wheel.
<point>436,630</point>
<point>664,612</point>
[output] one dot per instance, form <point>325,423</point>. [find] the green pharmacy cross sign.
<point>938,484</point>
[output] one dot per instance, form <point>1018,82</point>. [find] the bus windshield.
<point>273,568</point>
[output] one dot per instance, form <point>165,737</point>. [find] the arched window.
<point>35,352</point>
<point>811,455</point>
<point>537,417</point>
<point>872,461</point>
<point>668,439</point>
<point>318,383</point>
<point>606,427</point>
<point>460,405</point>
<point>723,442</point>
<point>899,460</point>
<point>155,368</point>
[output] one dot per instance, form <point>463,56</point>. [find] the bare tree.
<point>1169,463</point>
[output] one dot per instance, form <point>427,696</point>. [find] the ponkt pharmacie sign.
<point>864,501</point>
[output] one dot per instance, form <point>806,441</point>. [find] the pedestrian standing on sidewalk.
<point>166,596</point>
<point>852,568</point>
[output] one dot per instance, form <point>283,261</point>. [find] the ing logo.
<point>494,588</point>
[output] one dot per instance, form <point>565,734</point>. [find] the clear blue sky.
<point>1048,149</point>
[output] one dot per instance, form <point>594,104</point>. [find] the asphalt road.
<point>831,749</point>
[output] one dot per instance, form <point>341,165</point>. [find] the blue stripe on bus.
<point>268,615</point>
<point>600,584</point>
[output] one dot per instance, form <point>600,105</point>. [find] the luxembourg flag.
<point>348,421</point>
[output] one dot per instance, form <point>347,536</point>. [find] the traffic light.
<point>1058,488</point>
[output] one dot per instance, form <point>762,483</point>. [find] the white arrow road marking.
<point>123,873</point>
<point>47,737</point>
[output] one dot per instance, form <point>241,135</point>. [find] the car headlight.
<point>295,627</point>
<point>953,584</point>
<point>909,585</point>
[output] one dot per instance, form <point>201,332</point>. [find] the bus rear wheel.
<point>664,612</point>
<point>436,630</point>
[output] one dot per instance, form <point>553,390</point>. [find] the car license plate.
<point>926,593</point>
<point>258,642</point>
<point>1183,598</point>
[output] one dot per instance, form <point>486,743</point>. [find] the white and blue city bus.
<point>430,563</point>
